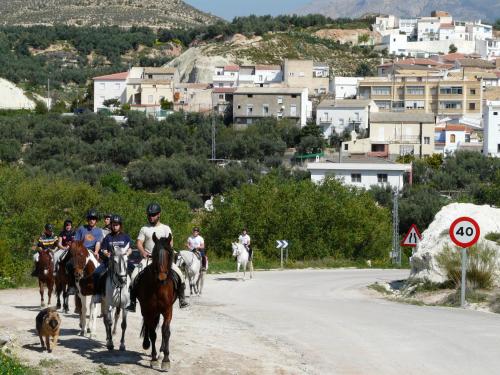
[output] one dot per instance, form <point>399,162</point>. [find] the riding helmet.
<point>107,216</point>
<point>68,221</point>
<point>116,219</point>
<point>92,214</point>
<point>153,209</point>
<point>196,229</point>
<point>49,227</point>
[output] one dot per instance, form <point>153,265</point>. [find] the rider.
<point>196,243</point>
<point>145,244</point>
<point>65,238</point>
<point>46,242</point>
<point>244,239</point>
<point>106,229</point>
<point>116,240</point>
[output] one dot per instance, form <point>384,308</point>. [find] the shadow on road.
<point>30,308</point>
<point>36,347</point>
<point>227,279</point>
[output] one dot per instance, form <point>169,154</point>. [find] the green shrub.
<point>493,236</point>
<point>481,266</point>
<point>10,365</point>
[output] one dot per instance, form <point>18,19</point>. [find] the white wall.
<point>107,89</point>
<point>491,118</point>
<point>345,87</point>
<point>451,147</point>
<point>268,76</point>
<point>368,178</point>
<point>338,119</point>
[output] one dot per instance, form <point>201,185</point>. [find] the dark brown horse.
<point>45,270</point>
<point>63,281</point>
<point>155,291</point>
<point>84,264</point>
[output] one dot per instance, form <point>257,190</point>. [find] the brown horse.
<point>155,291</point>
<point>45,270</point>
<point>84,264</point>
<point>63,281</point>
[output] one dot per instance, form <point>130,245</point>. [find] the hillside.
<point>152,13</point>
<point>460,9</point>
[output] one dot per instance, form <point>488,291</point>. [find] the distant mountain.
<point>153,13</point>
<point>487,10</point>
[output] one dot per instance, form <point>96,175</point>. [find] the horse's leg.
<point>108,322</point>
<point>83,314</point>
<point>40,285</point>
<point>251,269</point>
<point>165,333</point>
<point>58,293</point>
<point>50,286</point>
<point>152,338</point>
<point>124,328</point>
<point>65,297</point>
<point>117,316</point>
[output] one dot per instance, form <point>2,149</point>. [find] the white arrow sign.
<point>282,244</point>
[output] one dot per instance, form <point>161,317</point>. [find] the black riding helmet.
<point>107,216</point>
<point>68,221</point>
<point>153,209</point>
<point>92,214</point>
<point>49,227</point>
<point>116,219</point>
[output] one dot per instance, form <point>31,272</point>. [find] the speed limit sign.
<point>464,231</point>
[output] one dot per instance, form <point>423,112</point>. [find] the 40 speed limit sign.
<point>464,232</point>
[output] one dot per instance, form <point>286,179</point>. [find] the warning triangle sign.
<point>412,238</point>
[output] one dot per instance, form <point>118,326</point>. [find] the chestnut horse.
<point>84,264</point>
<point>155,291</point>
<point>63,281</point>
<point>45,268</point>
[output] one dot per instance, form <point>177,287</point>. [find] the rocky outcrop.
<point>12,97</point>
<point>435,238</point>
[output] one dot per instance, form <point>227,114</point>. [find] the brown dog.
<point>48,323</point>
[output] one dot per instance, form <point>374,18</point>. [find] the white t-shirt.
<point>196,242</point>
<point>244,239</point>
<point>146,235</point>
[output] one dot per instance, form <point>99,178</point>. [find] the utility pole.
<point>396,250</point>
<point>213,137</point>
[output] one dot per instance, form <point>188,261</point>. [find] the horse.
<point>45,269</point>
<point>156,293</point>
<point>190,264</point>
<point>84,264</point>
<point>63,281</point>
<point>241,252</point>
<point>116,296</point>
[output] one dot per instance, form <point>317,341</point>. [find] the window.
<point>452,138</point>
<point>355,177</point>
<point>414,104</point>
<point>249,110</point>
<point>346,147</point>
<point>221,84</point>
<point>450,105</point>
<point>427,140</point>
<point>221,96</point>
<point>467,138</point>
<point>293,110</point>
<point>473,91</point>
<point>150,76</point>
<point>239,106</point>
<point>472,106</point>
<point>453,90</point>
<point>294,96</point>
<point>415,90</point>
<point>381,90</point>
<point>495,113</point>
<point>250,96</point>
<point>383,104</point>
<point>378,148</point>
<point>265,109</point>
<point>382,177</point>
<point>280,100</point>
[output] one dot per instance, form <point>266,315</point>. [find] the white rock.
<point>435,238</point>
<point>12,97</point>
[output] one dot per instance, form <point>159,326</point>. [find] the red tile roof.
<point>446,26</point>
<point>232,68</point>
<point>455,128</point>
<point>112,77</point>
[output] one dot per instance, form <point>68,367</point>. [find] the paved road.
<point>340,327</point>
<point>290,322</point>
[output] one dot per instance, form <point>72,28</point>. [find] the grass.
<point>471,296</point>
<point>47,362</point>
<point>10,365</point>
<point>104,371</point>
<point>379,288</point>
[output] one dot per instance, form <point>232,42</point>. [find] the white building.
<point>361,174</point>
<point>491,118</point>
<point>488,48</point>
<point>267,75</point>
<point>345,87</point>
<point>339,115</point>
<point>226,76</point>
<point>111,86</point>
<point>385,22</point>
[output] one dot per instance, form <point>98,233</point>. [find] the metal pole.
<point>213,137</point>
<point>464,271</point>
<point>396,249</point>
<point>281,258</point>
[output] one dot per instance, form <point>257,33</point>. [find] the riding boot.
<point>182,298</point>
<point>133,301</point>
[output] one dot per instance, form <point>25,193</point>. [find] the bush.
<point>481,266</point>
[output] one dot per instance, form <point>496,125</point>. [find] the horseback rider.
<point>196,244</point>
<point>116,240</point>
<point>145,244</point>
<point>244,239</point>
<point>46,242</point>
<point>65,237</point>
<point>106,229</point>
<point>91,236</point>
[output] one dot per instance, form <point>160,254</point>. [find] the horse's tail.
<point>143,329</point>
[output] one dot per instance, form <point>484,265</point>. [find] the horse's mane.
<point>163,243</point>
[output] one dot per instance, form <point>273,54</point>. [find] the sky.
<point>229,9</point>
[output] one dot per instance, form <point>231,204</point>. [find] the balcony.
<point>405,139</point>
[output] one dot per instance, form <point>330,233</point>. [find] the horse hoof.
<point>42,304</point>
<point>122,348</point>
<point>82,333</point>
<point>66,311</point>
<point>58,306</point>
<point>154,364</point>
<point>165,365</point>
<point>88,330</point>
<point>110,347</point>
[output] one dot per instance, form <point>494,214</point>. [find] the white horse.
<point>190,264</point>
<point>241,252</point>
<point>117,296</point>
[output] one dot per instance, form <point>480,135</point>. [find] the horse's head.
<point>236,249</point>
<point>79,255</point>
<point>163,254</point>
<point>118,265</point>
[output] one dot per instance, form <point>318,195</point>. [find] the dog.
<point>48,324</point>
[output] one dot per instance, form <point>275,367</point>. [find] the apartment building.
<point>192,97</point>
<point>148,87</point>
<point>491,118</point>
<point>247,76</point>
<point>315,76</point>
<point>393,134</point>
<point>253,103</point>
<point>111,86</point>
<point>422,93</point>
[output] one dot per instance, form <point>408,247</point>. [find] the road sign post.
<point>282,244</point>
<point>464,232</point>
